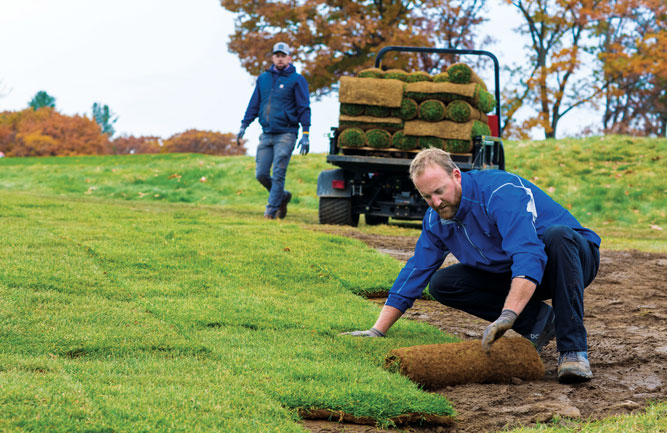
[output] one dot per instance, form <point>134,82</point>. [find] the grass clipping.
<point>436,366</point>
<point>371,91</point>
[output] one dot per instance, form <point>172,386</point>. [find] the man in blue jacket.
<point>281,101</point>
<point>516,246</point>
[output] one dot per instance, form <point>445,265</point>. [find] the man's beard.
<point>448,211</point>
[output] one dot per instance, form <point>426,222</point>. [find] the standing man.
<point>516,246</point>
<point>281,101</point>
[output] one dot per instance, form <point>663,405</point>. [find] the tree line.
<point>605,54</point>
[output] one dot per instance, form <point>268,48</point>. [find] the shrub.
<point>207,142</point>
<point>125,144</point>
<point>45,132</point>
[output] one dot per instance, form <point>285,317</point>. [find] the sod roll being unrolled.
<point>371,91</point>
<point>435,366</point>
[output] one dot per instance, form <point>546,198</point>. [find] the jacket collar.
<point>289,69</point>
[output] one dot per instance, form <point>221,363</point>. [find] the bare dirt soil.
<point>626,319</point>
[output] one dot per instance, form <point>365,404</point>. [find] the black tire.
<point>337,211</point>
<point>374,220</point>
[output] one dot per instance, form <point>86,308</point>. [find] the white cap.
<point>281,47</point>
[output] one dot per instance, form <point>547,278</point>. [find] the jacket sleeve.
<point>513,209</point>
<point>429,255</point>
<point>252,111</point>
<point>302,96</point>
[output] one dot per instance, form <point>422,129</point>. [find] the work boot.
<point>573,367</point>
<point>545,328</point>
<point>268,216</point>
<point>282,210</point>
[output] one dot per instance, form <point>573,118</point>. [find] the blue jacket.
<point>281,101</point>
<point>497,228</point>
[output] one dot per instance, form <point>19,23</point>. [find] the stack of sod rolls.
<point>395,109</point>
<point>368,104</point>
<point>452,110</point>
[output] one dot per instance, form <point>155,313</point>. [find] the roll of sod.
<point>371,73</point>
<point>352,137</point>
<point>377,111</point>
<point>391,124</point>
<point>396,74</point>
<point>484,100</point>
<point>431,142</point>
<point>352,109</point>
<point>371,91</point>
<point>436,366</point>
<point>378,138</point>
<point>442,77</point>
<point>418,76</point>
<point>400,141</point>
<point>480,128</point>
<point>459,111</point>
<point>462,74</point>
<point>408,109</point>
<point>446,92</point>
<point>432,110</point>
<point>458,146</point>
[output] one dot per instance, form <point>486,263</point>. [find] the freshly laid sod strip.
<point>129,316</point>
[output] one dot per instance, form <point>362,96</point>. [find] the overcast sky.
<point>161,65</point>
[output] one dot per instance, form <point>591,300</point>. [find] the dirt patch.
<point>626,319</point>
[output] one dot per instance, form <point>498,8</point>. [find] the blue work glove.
<point>304,144</point>
<point>496,330</point>
<point>239,136</point>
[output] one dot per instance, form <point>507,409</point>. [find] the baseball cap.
<point>281,47</point>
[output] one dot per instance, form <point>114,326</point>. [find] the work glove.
<point>304,144</point>
<point>496,330</point>
<point>239,136</point>
<point>370,333</point>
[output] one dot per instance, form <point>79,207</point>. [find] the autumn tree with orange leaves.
<point>333,38</point>
<point>633,54</point>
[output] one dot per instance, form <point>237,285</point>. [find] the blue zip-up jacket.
<point>280,100</point>
<point>497,228</point>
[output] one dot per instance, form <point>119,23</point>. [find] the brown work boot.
<point>268,216</point>
<point>282,210</point>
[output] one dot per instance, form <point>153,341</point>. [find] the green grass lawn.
<point>147,292</point>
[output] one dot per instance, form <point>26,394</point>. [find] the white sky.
<point>161,65</point>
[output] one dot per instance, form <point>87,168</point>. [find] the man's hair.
<point>431,157</point>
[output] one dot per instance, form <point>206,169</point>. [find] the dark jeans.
<point>572,263</point>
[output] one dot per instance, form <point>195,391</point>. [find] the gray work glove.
<point>370,333</point>
<point>304,144</point>
<point>496,330</point>
<point>239,136</point>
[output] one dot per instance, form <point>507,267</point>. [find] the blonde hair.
<point>431,157</point>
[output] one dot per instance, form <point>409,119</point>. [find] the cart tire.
<point>374,220</point>
<point>337,211</point>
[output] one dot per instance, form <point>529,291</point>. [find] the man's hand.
<point>496,330</point>
<point>370,333</point>
<point>239,136</point>
<point>304,144</point>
